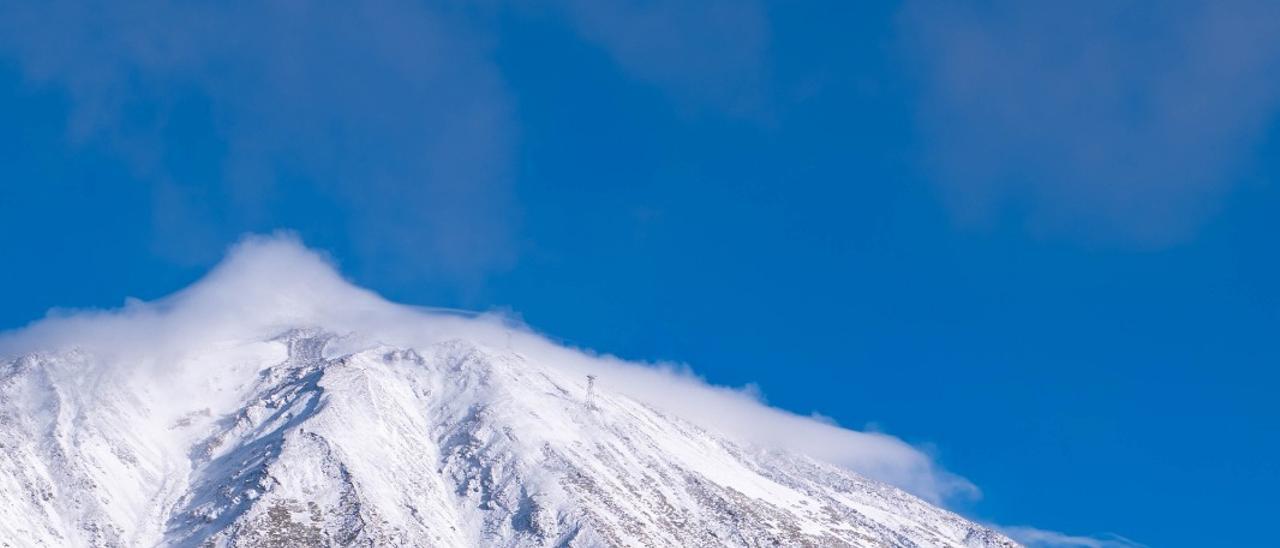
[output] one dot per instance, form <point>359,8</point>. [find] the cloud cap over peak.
<point>267,285</point>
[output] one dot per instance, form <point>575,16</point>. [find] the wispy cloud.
<point>1042,538</point>
<point>710,54</point>
<point>1113,121</point>
<point>391,111</point>
<point>391,119</point>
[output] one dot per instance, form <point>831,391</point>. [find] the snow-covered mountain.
<point>317,435</point>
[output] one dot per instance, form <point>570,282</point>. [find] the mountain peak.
<point>274,387</point>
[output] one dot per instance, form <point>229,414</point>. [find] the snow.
<point>453,444</point>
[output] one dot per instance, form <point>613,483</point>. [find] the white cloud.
<point>269,284</point>
<point>1042,538</point>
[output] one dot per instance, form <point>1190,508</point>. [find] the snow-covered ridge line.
<point>453,444</point>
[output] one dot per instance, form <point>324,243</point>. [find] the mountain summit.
<point>320,415</point>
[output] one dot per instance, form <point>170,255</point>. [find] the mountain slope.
<point>311,439</point>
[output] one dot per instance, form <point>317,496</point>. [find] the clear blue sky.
<point>1040,240</point>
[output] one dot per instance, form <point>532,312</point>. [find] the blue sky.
<point>1038,240</point>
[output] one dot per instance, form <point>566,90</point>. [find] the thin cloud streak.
<point>1043,538</point>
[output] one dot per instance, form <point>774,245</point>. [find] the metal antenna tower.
<point>591,392</point>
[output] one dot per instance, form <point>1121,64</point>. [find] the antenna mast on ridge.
<point>591,392</point>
